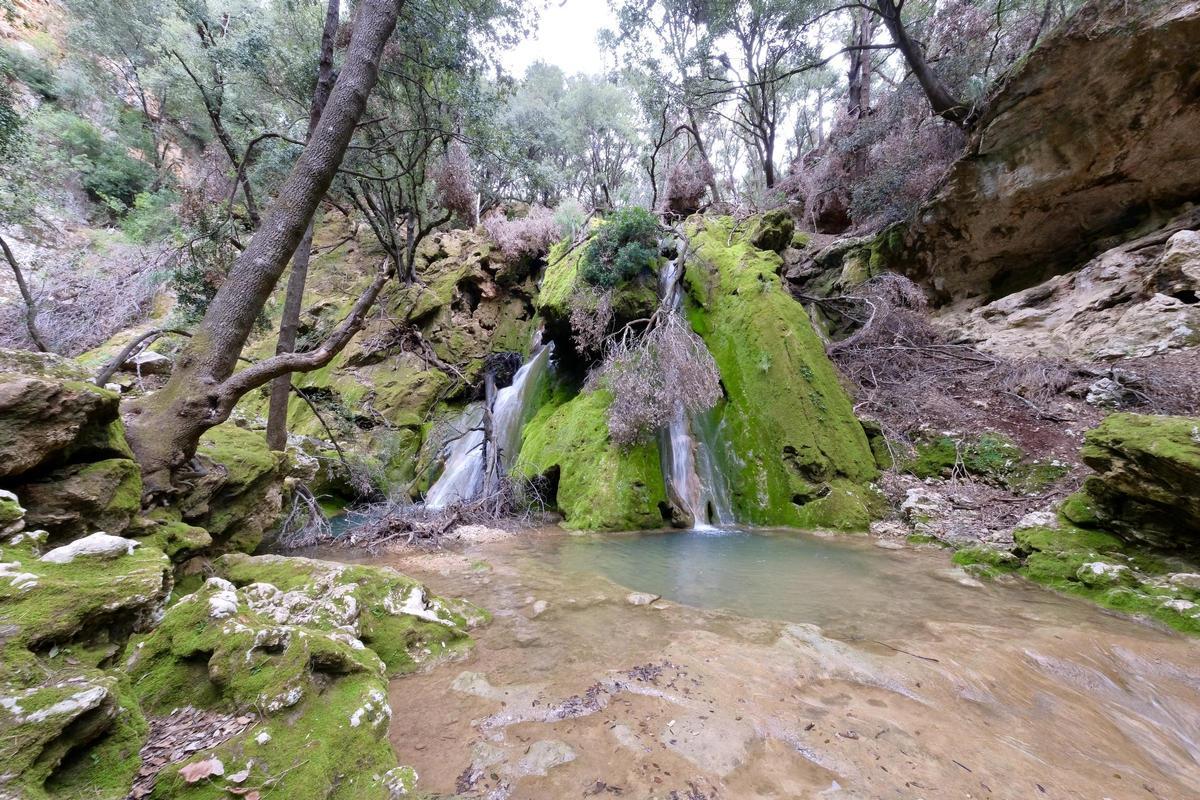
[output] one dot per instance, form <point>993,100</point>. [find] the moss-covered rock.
<point>47,407</point>
<point>239,495</point>
<point>772,230</point>
<point>1148,484</point>
<point>79,499</point>
<point>632,299</point>
<point>593,482</point>
<point>308,645</point>
<point>989,456</point>
<point>61,622</point>
<point>1108,571</point>
<point>797,455</point>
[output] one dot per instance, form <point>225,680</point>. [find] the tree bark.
<point>859,91</point>
<point>165,427</point>
<point>281,387</point>
<point>27,296</point>
<point>941,100</point>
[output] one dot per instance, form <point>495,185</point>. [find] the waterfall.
<point>464,475</point>
<point>690,467</point>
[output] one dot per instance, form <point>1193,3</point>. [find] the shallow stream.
<point>785,665</point>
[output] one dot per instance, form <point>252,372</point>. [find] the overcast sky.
<point>566,37</point>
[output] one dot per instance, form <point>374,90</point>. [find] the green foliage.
<point>623,247</point>
<point>15,65</point>
<point>153,216</point>
<point>110,175</point>
<point>10,123</point>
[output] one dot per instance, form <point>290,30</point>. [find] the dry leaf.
<point>202,769</point>
<point>238,777</point>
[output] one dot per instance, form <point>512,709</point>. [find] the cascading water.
<point>690,467</point>
<point>465,473</point>
<point>462,477</point>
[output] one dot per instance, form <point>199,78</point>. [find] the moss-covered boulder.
<point>1147,486</point>
<point>78,499</point>
<point>796,454</point>
<point>772,230</point>
<point>596,484</point>
<point>239,494</point>
<point>308,645</point>
<point>60,624</point>
<point>48,412</point>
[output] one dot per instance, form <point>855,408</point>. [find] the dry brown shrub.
<point>454,188</point>
<point>530,235</point>
<point>654,377</point>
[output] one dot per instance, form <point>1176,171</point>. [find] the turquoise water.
<point>846,585</point>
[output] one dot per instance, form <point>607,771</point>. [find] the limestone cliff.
<point>1092,136</point>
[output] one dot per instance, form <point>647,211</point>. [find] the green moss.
<point>1077,509</point>
<point>1001,560</point>
<point>106,767</point>
<point>173,536</point>
<point>600,485</point>
<point>1056,557</point>
<point>244,454</point>
<point>990,456</point>
<point>796,457</point>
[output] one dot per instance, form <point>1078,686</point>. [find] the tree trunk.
<point>281,387</point>
<point>165,427</point>
<point>859,92</point>
<point>694,127</point>
<point>27,296</point>
<point>943,103</point>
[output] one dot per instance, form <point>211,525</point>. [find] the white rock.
<point>539,608</point>
<point>1038,519</point>
<point>640,598</point>
<point>1179,606</point>
<point>263,738</point>
<point>148,362</point>
<point>97,545</point>
<point>1101,573</point>
<point>1185,580</point>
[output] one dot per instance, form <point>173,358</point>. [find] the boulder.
<point>772,231</point>
<point>98,545</point>
<point>72,500</point>
<point>1147,486</point>
<point>239,494</point>
<point>307,645</point>
<point>47,409</point>
<point>1089,137</point>
<point>148,362</point>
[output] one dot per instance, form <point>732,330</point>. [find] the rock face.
<point>417,365</point>
<point>1148,484</point>
<point>796,454</point>
<point>596,484</point>
<point>1091,136</point>
<point>1135,300</point>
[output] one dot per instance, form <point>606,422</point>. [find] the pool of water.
<point>848,586</point>
<point>785,665</point>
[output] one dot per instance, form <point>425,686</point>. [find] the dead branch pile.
<point>909,375</point>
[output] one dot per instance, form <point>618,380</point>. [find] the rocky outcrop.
<point>64,616</point>
<point>796,454</point>
<point>1092,136</point>
<point>410,366</point>
<point>1147,486</point>
<point>1135,300</point>
<point>50,414</point>
<point>63,449</point>
<point>305,647</point>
